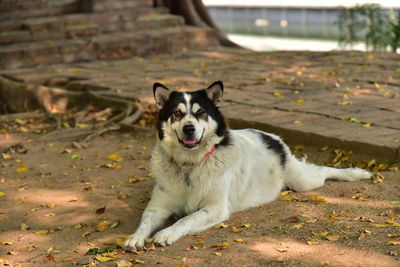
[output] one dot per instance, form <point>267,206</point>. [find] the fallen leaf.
<point>345,213</point>
<point>49,258</point>
<point>86,234</point>
<point>364,233</point>
<point>312,243</point>
<point>298,226</point>
<point>272,213</point>
<point>6,243</point>
<point>394,235</point>
<point>21,170</point>
<point>281,249</point>
<point>323,234</point>
<point>377,178</point>
<point>221,225</point>
<point>287,198</point>
<point>101,210</point>
<point>102,226</point>
<point>236,229</point>
<point>238,240</point>
<point>284,193</point>
<point>378,225</point>
<point>316,199</point>
<point>42,232</point>
<point>393,243</point>
<point>24,227</point>
<point>392,217</point>
<point>332,237</point>
<point>124,263</point>
<point>217,253</point>
<point>119,242</point>
<point>114,157</point>
<point>2,194</point>
<point>246,225</point>
<point>103,259</point>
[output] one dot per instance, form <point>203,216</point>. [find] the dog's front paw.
<point>134,242</point>
<point>167,236</point>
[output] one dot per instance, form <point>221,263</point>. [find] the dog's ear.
<point>215,91</point>
<point>161,94</point>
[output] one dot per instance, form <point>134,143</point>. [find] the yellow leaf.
<point>104,225</point>
<point>103,259</point>
<point>325,262</point>
<point>394,235</point>
<point>2,194</point>
<point>311,243</point>
<point>74,70</point>
<point>6,243</point>
<point>281,249</point>
<point>393,243</point>
<point>392,217</point>
<point>236,229</point>
<point>42,232</point>
<point>21,170</point>
<point>246,225</point>
<point>221,225</point>
<point>78,226</point>
<point>298,226</point>
<point>396,224</point>
<point>239,240</point>
<point>297,122</point>
<point>86,233</point>
<point>272,213</point>
<point>332,237</point>
<point>316,198</point>
<point>299,101</point>
<point>284,193</point>
<point>218,253</point>
<point>377,225</point>
<point>367,125</point>
<point>24,227</point>
<point>114,157</point>
<point>119,242</point>
<point>287,198</point>
<point>320,234</point>
<point>377,178</point>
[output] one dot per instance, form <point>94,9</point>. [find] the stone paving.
<point>347,100</point>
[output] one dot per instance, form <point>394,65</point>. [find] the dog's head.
<point>190,120</point>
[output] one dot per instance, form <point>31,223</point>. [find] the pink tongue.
<point>189,142</point>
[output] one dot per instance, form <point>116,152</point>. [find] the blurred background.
<point>308,25</point>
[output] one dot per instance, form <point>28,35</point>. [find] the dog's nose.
<point>189,129</point>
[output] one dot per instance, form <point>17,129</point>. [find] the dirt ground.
<point>58,201</point>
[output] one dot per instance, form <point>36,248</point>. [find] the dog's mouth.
<point>190,143</point>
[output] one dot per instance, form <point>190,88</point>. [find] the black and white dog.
<point>204,171</point>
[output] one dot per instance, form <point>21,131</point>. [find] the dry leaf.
<point>49,258</point>
<point>24,227</point>
<point>323,234</point>
<point>217,253</point>
<point>103,259</point>
<point>332,237</point>
<point>378,225</point>
<point>364,233</point>
<point>21,170</point>
<point>104,225</point>
<point>246,225</point>
<point>281,249</point>
<point>312,243</point>
<point>239,240</point>
<point>114,157</point>
<point>221,225</point>
<point>2,194</point>
<point>394,235</point>
<point>42,232</point>
<point>316,198</point>
<point>393,243</point>
<point>101,210</point>
<point>377,178</point>
<point>236,229</point>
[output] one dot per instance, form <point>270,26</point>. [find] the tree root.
<point>17,97</point>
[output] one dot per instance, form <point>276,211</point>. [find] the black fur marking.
<point>226,141</point>
<point>200,97</point>
<point>276,146</point>
<point>166,112</point>
<point>187,179</point>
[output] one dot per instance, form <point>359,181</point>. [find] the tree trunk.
<point>195,13</point>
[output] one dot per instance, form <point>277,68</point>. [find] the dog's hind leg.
<point>302,176</point>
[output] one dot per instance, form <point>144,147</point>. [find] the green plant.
<point>378,28</point>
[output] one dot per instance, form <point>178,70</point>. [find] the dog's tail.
<point>302,176</point>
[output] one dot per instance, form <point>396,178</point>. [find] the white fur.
<point>206,186</point>
<point>232,178</point>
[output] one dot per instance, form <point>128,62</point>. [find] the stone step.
<point>107,5</point>
<point>106,46</point>
<point>16,9</point>
<point>77,25</point>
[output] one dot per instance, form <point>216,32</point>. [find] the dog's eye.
<point>178,113</point>
<point>199,112</point>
